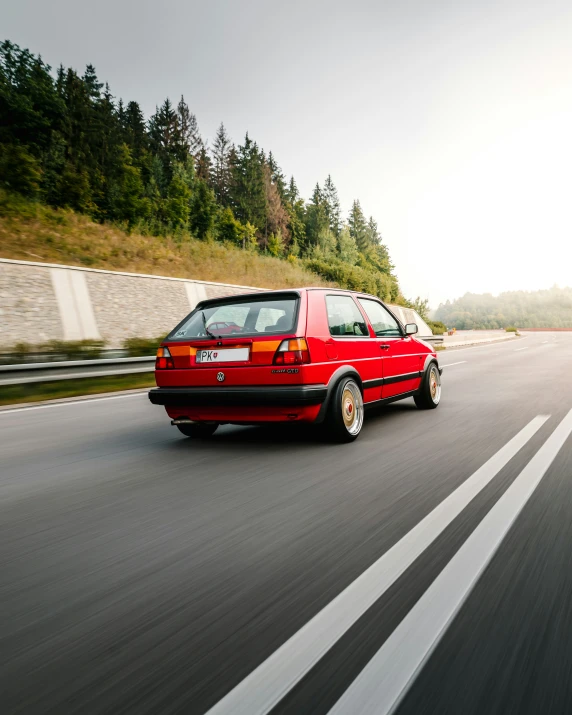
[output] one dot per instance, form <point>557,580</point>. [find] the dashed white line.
<point>260,691</point>
<point>517,350</point>
<point>461,362</point>
<point>386,678</point>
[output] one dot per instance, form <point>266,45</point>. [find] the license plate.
<point>230,355</point>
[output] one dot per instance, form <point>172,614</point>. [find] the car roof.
<point>284,292</point>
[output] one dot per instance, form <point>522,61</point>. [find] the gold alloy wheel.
<point>435,385</point>
<point>352,407</point>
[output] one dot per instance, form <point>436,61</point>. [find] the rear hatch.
<point>232,333</point>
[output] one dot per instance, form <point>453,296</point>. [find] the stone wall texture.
<point>123,305</point>
<point>126,306</point>
<point>28,308</point>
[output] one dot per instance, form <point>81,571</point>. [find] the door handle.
<point>384,346</point>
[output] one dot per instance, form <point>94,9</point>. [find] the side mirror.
<point>411,329</point>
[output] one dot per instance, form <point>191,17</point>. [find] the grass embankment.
<point>34,232</point>
<point>40,391</point>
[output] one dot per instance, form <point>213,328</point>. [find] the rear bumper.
<point>242,396</point>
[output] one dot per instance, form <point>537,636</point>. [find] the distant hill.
<point>66,142</point>
<point>30,231</point>
<point>524,309</point>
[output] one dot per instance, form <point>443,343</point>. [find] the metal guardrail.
<point>19,374</point>
<point>73,369</point>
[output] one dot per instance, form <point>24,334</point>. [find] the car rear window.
<point>256,316</point>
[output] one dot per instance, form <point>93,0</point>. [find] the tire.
<point>198,430</point>
<point>429,395</point>
<point>344,418</point>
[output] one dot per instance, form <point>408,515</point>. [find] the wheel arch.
<point>339,374</point>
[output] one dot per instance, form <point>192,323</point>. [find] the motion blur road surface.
<point>142,572</point>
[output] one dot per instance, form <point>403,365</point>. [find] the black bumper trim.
<point>258,396</point>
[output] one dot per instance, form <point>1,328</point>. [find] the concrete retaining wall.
<point>41,302</point>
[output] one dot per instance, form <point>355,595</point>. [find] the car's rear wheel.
<point>429,395</point>
<point>198,430</point>
<point>345,412</point>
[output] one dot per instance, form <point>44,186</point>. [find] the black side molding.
<point>392,379</point>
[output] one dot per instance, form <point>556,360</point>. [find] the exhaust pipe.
<point>182,421</point>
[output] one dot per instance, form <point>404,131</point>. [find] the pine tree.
<point>332,206</point>
<point>221,175</point>
<point>91,82</point>
<point>292,193</point>
<point>134,127</point>
<point>316,218</point>
<point>358,227</point>
<point>347,247</point>
<point>296,209</point>
<point>203,165</point>
<point>248,195</point>
<point>203,209</point>
<point>189,135</point>
<point>277,176</point>
<point>277,218</point>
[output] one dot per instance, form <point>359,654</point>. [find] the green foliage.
<point>19,170</point>
<point>65,140</point>
<point>437,328</point>
<point>276,244</point>
<point>203,209</point>
<point>421,306</point>
<point>74,349</point>
<point>353,277</point>
<point>142,347</point>
<point>511,329</point>
<point>550,308</point>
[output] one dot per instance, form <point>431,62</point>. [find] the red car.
<point>309,355</point>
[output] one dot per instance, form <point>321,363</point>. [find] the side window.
<point>382,321</point>
<point>344,317</point>
<point>268,318</point>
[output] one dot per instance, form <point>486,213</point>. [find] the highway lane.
<point>142,572</point>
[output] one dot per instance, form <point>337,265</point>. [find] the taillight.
<point>292,352</point>
<point>164,359</point>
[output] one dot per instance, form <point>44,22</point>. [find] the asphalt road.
<point>425,568</point>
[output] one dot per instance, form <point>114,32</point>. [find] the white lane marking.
<point>71,402</point>
<point>260,691</point>
<point>386,678</point>
<point>450,364</point>
<point>526,348</point>
<point>497,343</point>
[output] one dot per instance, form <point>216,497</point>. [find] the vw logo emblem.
<point>220,376</point>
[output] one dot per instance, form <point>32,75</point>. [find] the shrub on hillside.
<point>437,327</point>
<point>354,277</point>
<point>511,329</point>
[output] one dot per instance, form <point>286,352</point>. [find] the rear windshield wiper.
<point>207,331</point>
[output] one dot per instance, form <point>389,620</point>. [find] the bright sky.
<point>450,121</point>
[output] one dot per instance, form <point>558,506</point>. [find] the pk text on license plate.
<point>230,355</point>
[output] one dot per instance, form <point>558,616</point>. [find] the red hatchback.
<point>309,355</point>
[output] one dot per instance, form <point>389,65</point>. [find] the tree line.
<point>550,308</point>
<point>67,141</point>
